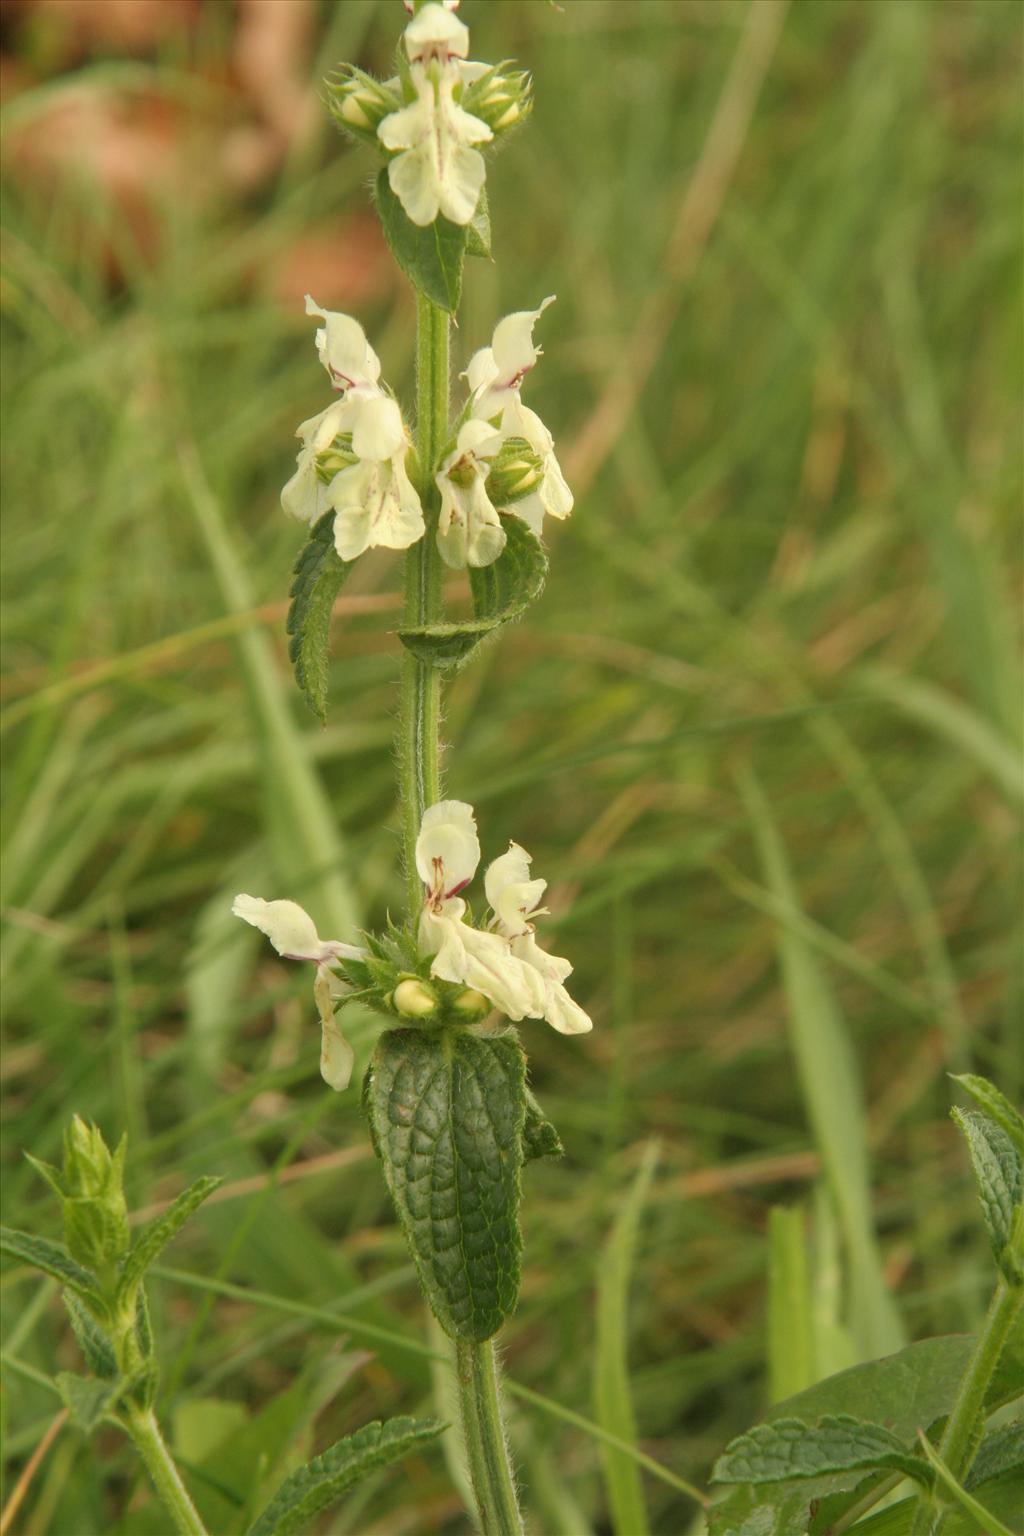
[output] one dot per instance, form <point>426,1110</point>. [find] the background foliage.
<point>761,731</point>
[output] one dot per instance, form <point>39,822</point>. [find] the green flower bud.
<point>335,458</point>
<point>413,999</point>
<point>358,102</point>
<point>472,1005</point>
<point>516,472</point>
<point>95,1212</point>
<point>502,98</point>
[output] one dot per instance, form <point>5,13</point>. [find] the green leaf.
<point>788,1448</point>
<point>92,1340</point>
<point>1001,1451</point>
<point>53,1259</point>
<point>431,257</point>
<point>446,645</point>
<point>906,1391</point>
<point>507,587</point>
<point>324,1479</point>
<point>502,591</point>
<point>318,575</point>
<point>996,1105</point>
<point>540,1139</point>
<point>478,230</point>
<point>154,1238</point>
<point>87,1399</point>
<point>447,1110</point>
<point>613,1399</point>
<point>998,1171</point>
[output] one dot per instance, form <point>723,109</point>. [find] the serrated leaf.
<point>92,1340</point>
<point>430,256</point>
<point>53,1259</point>
<point>996,1105</point>
<point>154,1238</point>
<point>540,1139</point>
<point>478,230</point>
<point>317,578</point>
<point>1001,1451</point>
<point>87,1399</point>
<point>447,1110</point>
<point>324,1479</point>
<point>913,1388</point>
<point>502,592</point>
<point>788,1448</point>
<point>507,587</point>
<point>998,1171</point>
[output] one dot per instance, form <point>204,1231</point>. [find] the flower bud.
<point>337,456</point>
<point>413,999</point>
<point>95,1212</point>
<point>517,470</point>
<point>358,102</point>
<point>500,99</point>
<point>472,1005</point>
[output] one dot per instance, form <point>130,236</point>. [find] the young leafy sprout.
<point>500,963</point>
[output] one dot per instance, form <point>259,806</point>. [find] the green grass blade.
<point>830,1085</point>
<point>613,1400</point>
<point>791,1361</point>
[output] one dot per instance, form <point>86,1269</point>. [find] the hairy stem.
<point>419,716</point>
<point>420,786</point>
<point>963,1427</point>
<point>486,1446</point>
<point>144,1430</point>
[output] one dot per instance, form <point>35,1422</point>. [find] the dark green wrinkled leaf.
<point>502,592</point>
<point>911,1389</point>
<point>431,257</point>
<point>324,1479</point>
<point>447,1110</point>
<point>1000,1452</point>
<point>154,1238</point>
<point>318,576</point>
<point>540,1139</point>
<point>53,1259</point>
<point>86,1399</point>
<point>92,1340</point>
<point>791,1448</point>
<point>998,1171</point>
<point>445,645</point>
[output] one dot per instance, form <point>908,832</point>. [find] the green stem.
<point>960,1437</point>
<point>486,1447</point>
<point>419,786</point>
<point>144,1430</point>
<point>420,703</point>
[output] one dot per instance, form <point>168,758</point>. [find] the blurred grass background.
<point>761,732</point>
